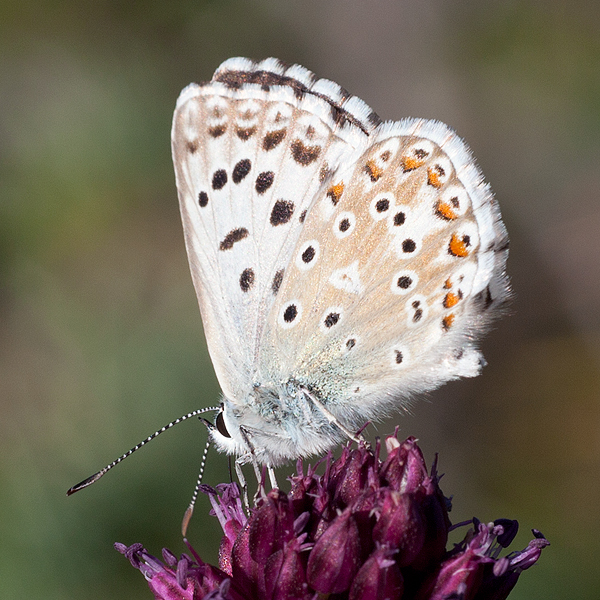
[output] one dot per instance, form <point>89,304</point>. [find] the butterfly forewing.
<point>249,161</point>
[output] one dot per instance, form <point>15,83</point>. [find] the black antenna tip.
<point>186,520</point>
<point>85,483</point>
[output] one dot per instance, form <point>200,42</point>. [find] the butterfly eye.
<point>220,423</point>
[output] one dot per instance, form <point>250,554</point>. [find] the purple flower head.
<point>364,529</point>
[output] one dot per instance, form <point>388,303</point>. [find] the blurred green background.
<point>100,330</point>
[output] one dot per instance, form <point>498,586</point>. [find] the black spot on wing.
<point>331,319</point>
<point>264,181</point>
<point>409,245</point>
<point>382,205</point>
<point>202,199</point>
<point>235,235</point>
<point>246,280</point>
<point>219,179</point>
<point>304,154</point>
<point>290,313</point>
<point>245,133</point>
<point>282,212</point>
<point>404,282</point>
<point>273,139</point>
<point>241,169</point>
<point>399,219</point>
<point>277,279</point>
<point>217,131</point>
<point>309,254</point>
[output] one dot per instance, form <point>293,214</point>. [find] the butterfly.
<point>342,264</point>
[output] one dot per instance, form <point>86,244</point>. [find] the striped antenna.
<point>87,482</point>
<point>190,509</point>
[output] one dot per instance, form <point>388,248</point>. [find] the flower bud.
<point>401,525</point>
<point>458,577</point>
<point>379,577</point>
<point>285,576</point>
<point>404,469</point>
<point>349,474</point>
<point>272,525</point>
<point>335,558</point>
<point>249,574</point>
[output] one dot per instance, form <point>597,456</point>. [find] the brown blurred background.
<point>100,330</point>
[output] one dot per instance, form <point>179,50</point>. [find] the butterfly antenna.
<point>190,509</point>
<point>87,482</point>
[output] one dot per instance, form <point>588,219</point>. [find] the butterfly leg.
<point>333,420</point>
<point>242,479</point>
<point>242,460</point>
<point>260,488</point>
<point>250,457</point>
<point>272,478</point>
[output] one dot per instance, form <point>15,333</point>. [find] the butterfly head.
<point>225,433</point>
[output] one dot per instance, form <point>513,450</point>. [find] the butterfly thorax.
<point>275,423</point>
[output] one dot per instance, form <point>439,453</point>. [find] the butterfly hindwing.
<point>406,263</point>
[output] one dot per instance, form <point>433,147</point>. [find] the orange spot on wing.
<point>445,210</point>
<point>447,321</point>
<point>335,192</point>
<point>451,299</point>
<point>410,163</point>
<point>433,177</point>
<point>373,170</point>
<point>458,246</point>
